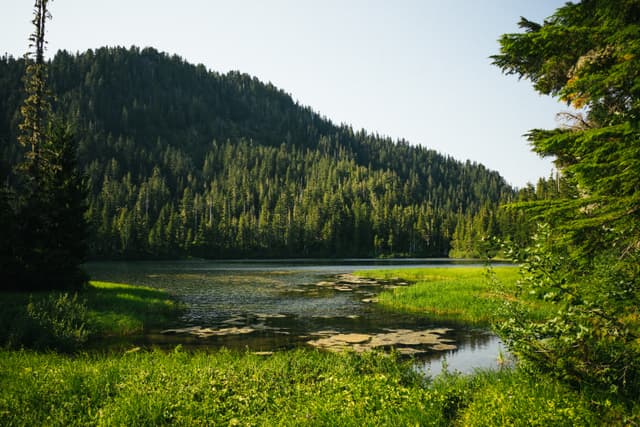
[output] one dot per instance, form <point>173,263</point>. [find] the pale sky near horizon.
<point>417,70</point>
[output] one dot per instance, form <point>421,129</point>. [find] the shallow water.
<point>274,305</point>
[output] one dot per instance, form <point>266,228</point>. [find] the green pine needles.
<point>43,206</point>
<point>585,259</point>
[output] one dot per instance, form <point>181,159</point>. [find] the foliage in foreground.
<point>44,321</point>
<point>591,339</point>
<point>288,388</point>
<point>586,258</point>
<point>66,322</point>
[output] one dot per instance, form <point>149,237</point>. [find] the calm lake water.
<point>275,305</point>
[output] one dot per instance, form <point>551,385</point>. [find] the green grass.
<point>301,387</point>
<point>464,294</point>
<point>517,398</point>
<point>50,320</point>
<point>119,309</point>
<point>287,388</point>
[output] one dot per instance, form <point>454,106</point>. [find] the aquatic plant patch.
<point>404,341</point>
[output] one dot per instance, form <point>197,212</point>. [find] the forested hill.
<point>184,161</point>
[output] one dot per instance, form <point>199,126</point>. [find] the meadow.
<point>67,322</point>
<point>301,387</point>
<point>134,386</point>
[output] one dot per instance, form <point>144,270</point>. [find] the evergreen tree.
<point>45,207</point>
<point>67,246</point>
<point>36,107</point>
<point>586,259</point>
<point>249,158</point>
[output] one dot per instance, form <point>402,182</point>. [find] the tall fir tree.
<point>586,260</point>
<point>44,209</point>
<point>36,107</point>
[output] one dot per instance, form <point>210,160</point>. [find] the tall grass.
<point>288,388</point>
<point>465,294</point>
<point>518,398</point>
<point>51,320</point>
<point>64,322</point>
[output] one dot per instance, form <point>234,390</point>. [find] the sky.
<point>417,70</point>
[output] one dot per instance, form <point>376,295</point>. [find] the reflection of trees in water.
<point>283,308</point>
<point>476,340</point>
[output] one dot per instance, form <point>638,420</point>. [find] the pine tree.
<point>586,260</point>
<point>68,204</point>
<point>244,150</point>
<point>36,107</point>
<point>45,218</point>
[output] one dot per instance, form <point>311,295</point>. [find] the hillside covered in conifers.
<point>183,161</point>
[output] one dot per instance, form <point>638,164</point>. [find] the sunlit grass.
<point>301,387</point>
<point>466,294</point>
<point>120,309</point>
<point>287,388</point>
<point>108,309</point>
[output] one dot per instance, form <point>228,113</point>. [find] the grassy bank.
<point>119,309</point>
<point>288,388</point>
<point>475,295</point>
<point>465,294</point>
<point>302,387</point>
<point>51,320</point>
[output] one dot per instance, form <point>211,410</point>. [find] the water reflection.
<point>473,354</point>
<point>276,305</point>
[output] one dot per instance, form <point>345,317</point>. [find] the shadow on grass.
<point>118,309</point>
<point>53,320</point>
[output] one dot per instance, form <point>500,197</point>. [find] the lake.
<point>274,305</point>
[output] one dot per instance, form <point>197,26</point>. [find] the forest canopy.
<point>185,161</point>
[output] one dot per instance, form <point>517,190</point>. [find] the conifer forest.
<point>183,161</point>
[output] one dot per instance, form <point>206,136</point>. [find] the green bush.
<point>47,322</point>
<point>591,339</point>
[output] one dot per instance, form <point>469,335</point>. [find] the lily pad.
<point>201,332</point>
<point>444,347</point>
<point>409,351</point>
<point>406,341</point>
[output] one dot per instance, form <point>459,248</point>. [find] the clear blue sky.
<point>412,69</point>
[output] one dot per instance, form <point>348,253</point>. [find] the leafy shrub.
<point>51,322</point>
<point>591,340</point>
